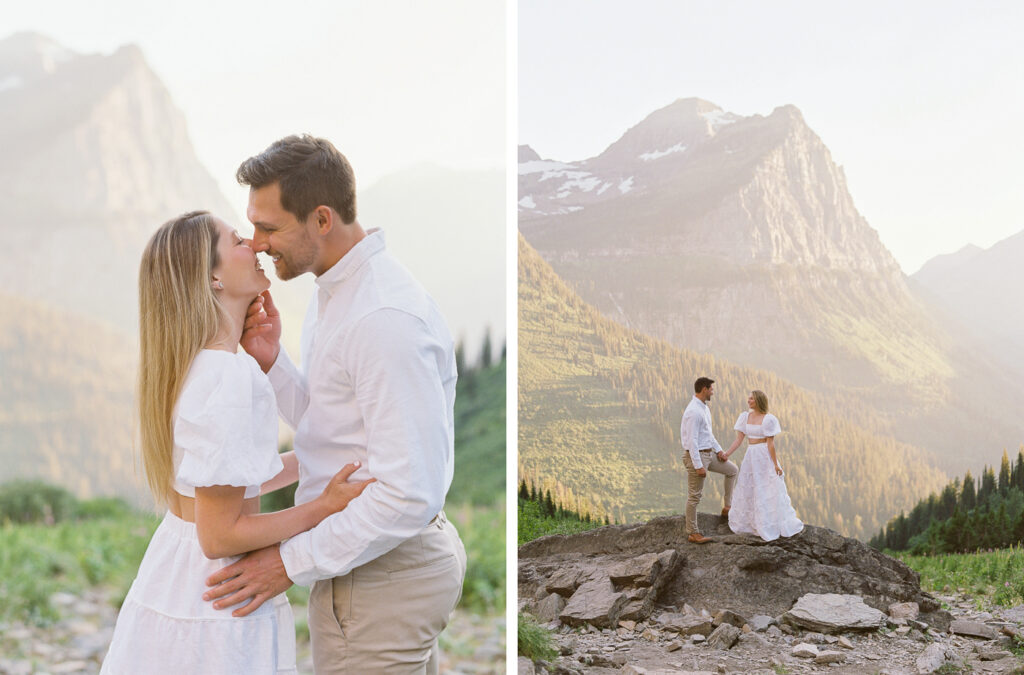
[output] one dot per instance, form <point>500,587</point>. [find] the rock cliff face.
<point>740,573</point>
<point>96,156</point>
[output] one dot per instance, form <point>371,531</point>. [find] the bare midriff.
<point>755,441</point>
<point>185,507</point>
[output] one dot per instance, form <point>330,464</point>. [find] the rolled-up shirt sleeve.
<point>289,388</point>
<point>394,364</point>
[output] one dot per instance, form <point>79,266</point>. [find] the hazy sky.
<point>391,83</point>
<point>921,103</point>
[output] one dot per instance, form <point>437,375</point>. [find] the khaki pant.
<point>696,483</point>
<point>385,616</point>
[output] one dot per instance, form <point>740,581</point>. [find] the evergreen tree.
<point>460,358</point>
<point>968,497</point>
<point>988,485</point>
<point>524,492</point>
<point>1004,474</point>
<point>947,502</point>
<point>1018,472</point>
<point>485,351</point>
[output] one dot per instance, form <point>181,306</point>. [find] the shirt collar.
<point>369,246</point>
<point>700,401</point>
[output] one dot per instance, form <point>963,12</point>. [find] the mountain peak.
<point>26,56</point>
<point>527,154</point>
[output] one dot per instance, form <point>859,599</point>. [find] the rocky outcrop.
<point>637,566</point>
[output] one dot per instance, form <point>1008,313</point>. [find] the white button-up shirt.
<point>377,386</point>
<point>695,431</point>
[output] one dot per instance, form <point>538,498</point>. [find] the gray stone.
<point>686,624</point>
<point>904,610</point>
<point>639,571</point>
<point>831,613</point>
<point>814,638</point>
<point>931,659</point>
<point>804,650</point>
<point>550,608</point>
<point>673,646</point>
<point>596,603</point>
<point>730,617</point>
<point>760,622</point>
<point>724,637</point>
<point>988,652</point>
<point>973,629</point>
<point>830,656</point>
<point>752,640</point>
<point>697,638</point>
<point>564,582</point>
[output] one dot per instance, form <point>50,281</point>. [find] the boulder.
<point>639,571</point>
<point>595,602</point>
<point>804,650</point>
<point>724,637</point>
<point>564,582</point>
<point>550,608</point>
<point>526,666</point>
<point>973,629</point>
<point>906,611</point>
<point>833,613</point>
<point>829,656</point>
<point>730,617</point>
<point>760,622</point>
<point>686,624</point>
<point>749,576</point>
<point>933,657</point>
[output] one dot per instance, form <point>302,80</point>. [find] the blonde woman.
<point>760,503</point>
<point>208,423</point>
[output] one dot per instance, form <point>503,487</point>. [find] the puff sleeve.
<point>214,430</point>
<point>770,426</point>
<point>741,422</point>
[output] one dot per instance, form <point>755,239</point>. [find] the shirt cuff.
<point>283,371</point>
<point>298,560</point>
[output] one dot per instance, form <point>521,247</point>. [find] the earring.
<point>218,285</point>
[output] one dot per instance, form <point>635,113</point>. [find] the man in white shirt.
<point>377,386</point>
<point>703,453</point>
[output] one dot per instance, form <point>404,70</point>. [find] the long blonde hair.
<point>178,316</point>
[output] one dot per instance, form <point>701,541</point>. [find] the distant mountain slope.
<point>66,412</point>
<point>737,236</point>
<point>599,412</point>
<point>983,291</point>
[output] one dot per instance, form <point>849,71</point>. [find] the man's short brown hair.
<point>701,384</point>
<point>311,173</point>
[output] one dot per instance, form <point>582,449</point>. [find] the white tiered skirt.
<point>760,503</point>
<point>165,626</point>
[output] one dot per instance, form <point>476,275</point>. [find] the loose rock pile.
<point>640,600</point>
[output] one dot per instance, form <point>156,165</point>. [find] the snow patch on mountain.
<point>658,154</point>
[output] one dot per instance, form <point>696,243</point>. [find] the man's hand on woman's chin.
<point>261,333</point>
<point>259,575</point>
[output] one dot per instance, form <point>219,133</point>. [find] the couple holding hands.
<point>756,501</point>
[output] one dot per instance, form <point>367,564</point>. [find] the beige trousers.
<point>385,616</point>
<point>696,483</point>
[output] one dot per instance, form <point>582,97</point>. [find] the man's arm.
<point>688,433</point>
<point>393,362</point>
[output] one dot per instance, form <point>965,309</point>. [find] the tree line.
<point>967,515</point>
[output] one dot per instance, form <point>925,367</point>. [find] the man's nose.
<point>258,243</point>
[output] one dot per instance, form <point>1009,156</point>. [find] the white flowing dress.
<point>225,433</point>
<point>760,503</point>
